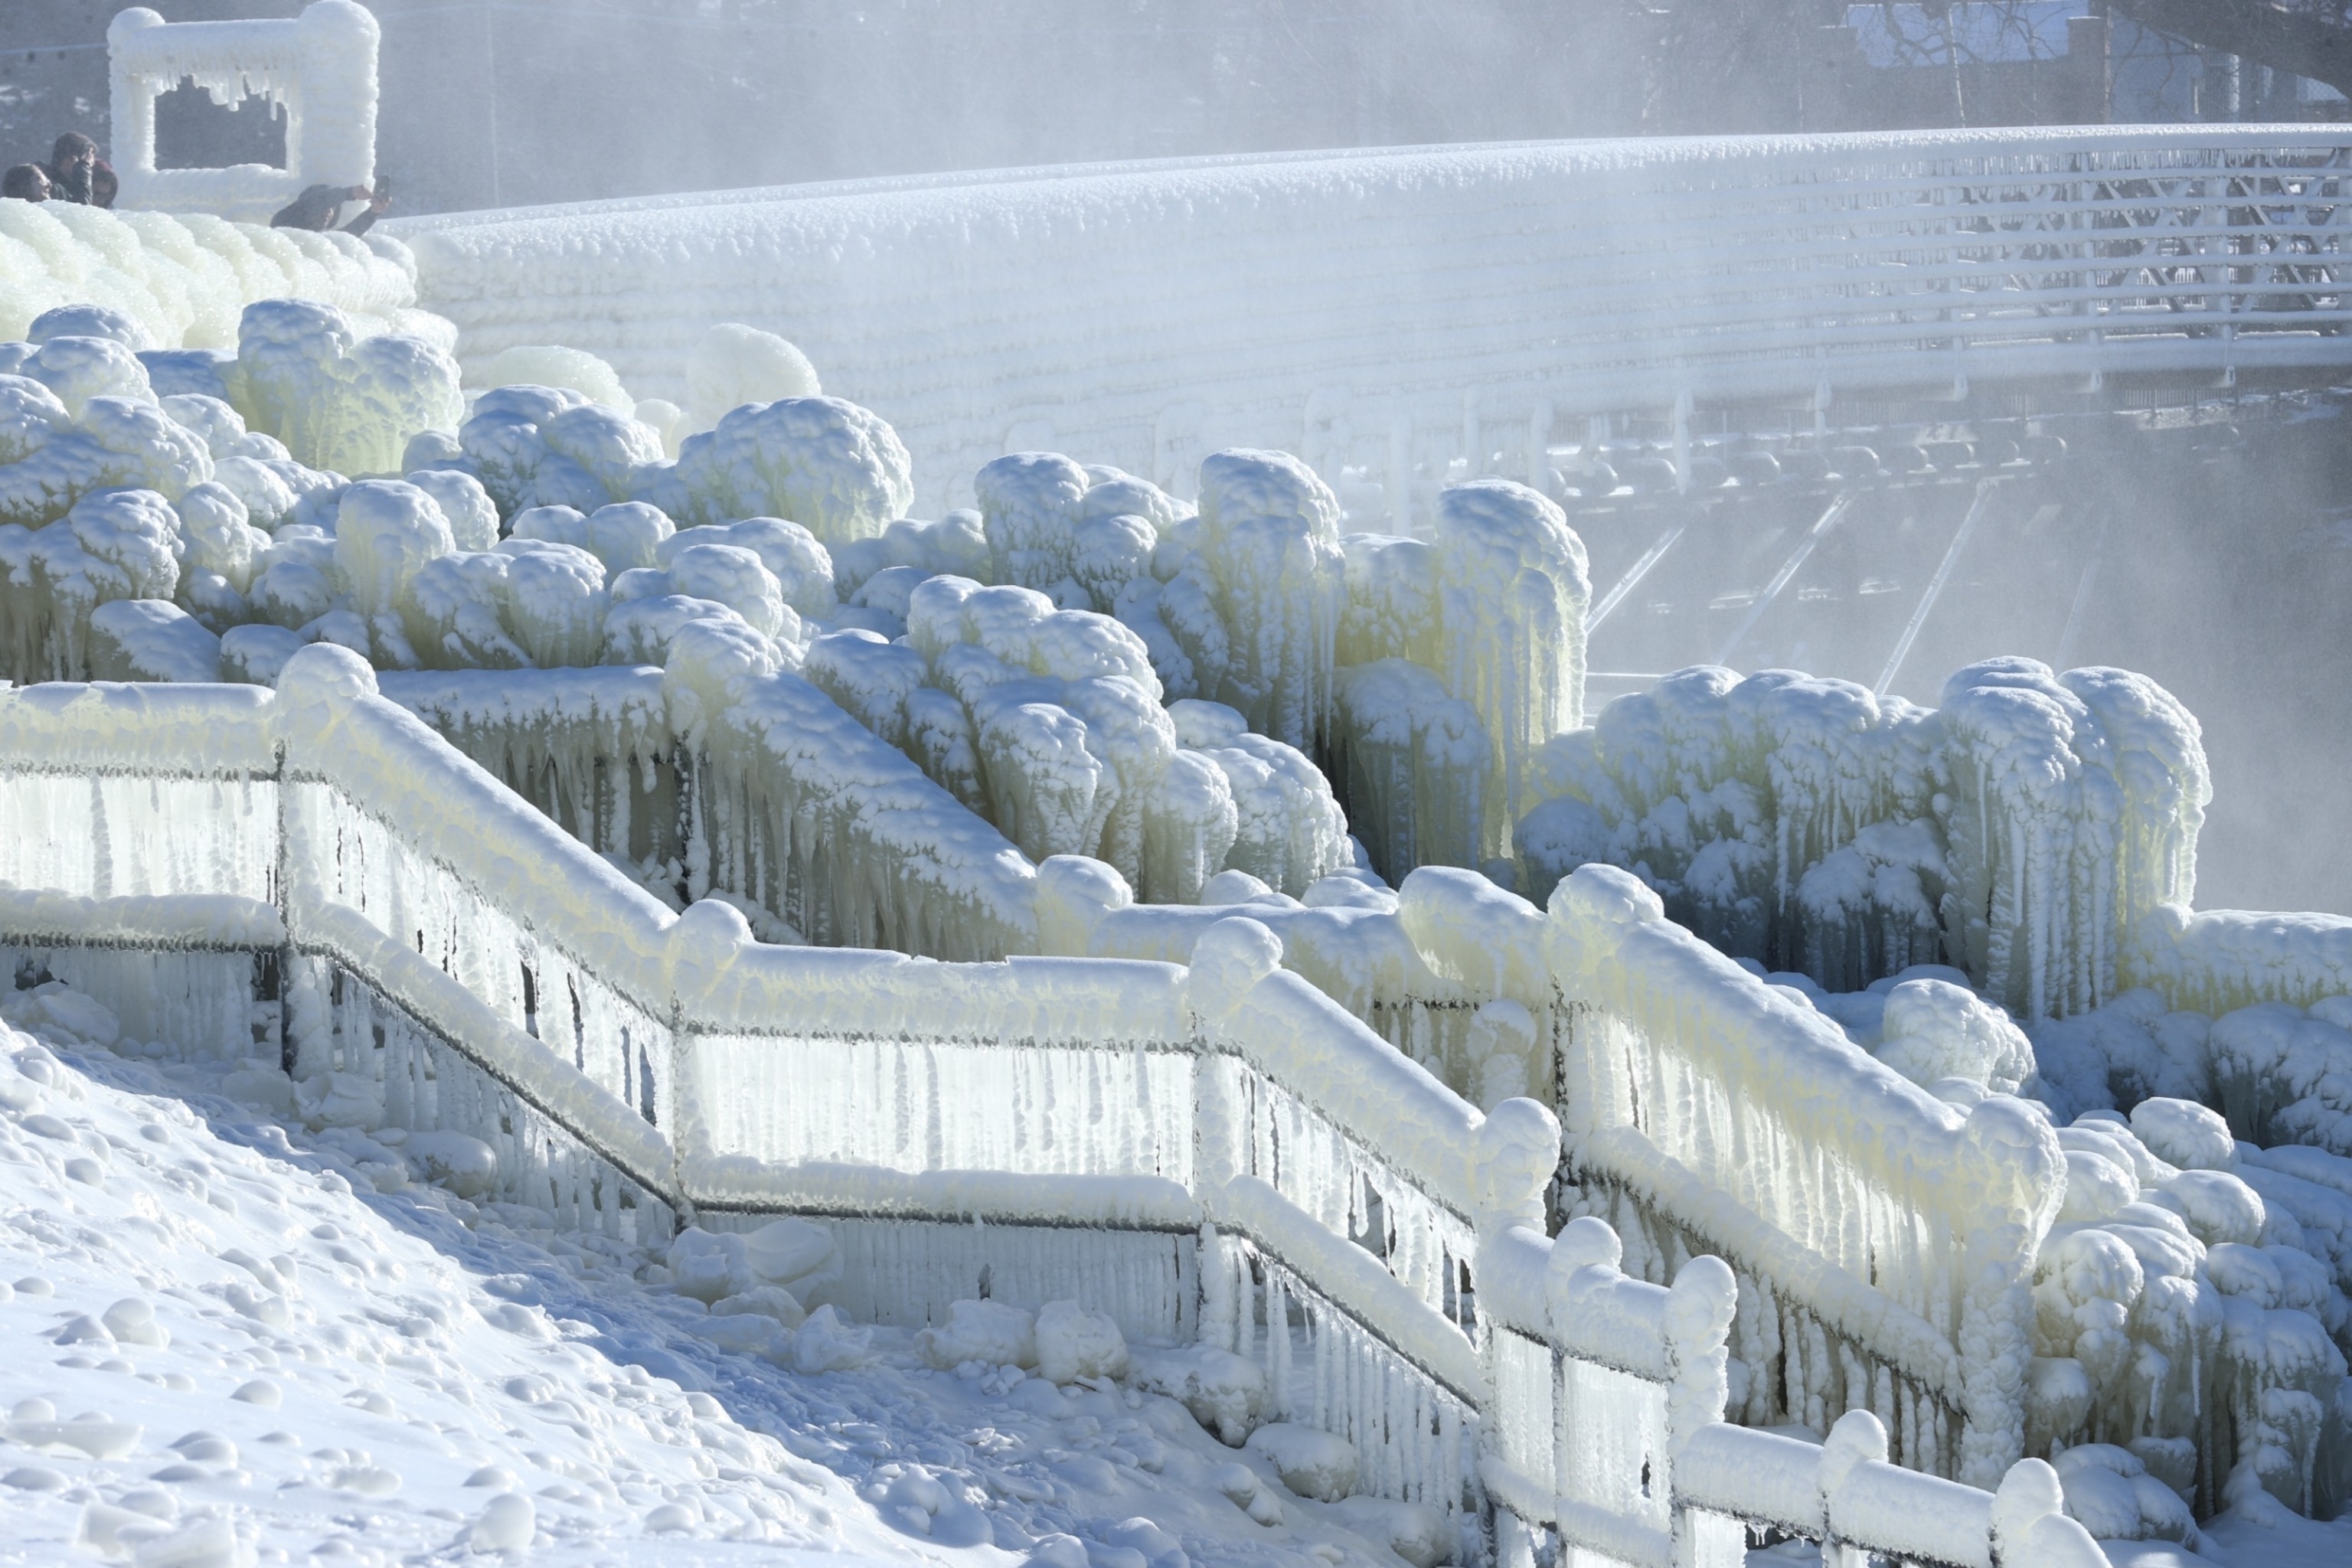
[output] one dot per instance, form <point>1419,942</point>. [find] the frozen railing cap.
<point>1844,1491</point>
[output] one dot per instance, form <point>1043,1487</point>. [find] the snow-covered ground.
<point>223,1341</point>
<point>226,1340</point>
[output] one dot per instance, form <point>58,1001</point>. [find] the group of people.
<point>75,172</point>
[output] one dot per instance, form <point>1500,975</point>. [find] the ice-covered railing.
<point>319,67</point>
<point>1607,1435</point>
<point>1221,1149</point>
<point>591,748</point>
<point>445,954</point>
<point>1886,1239</point>
<point>1581,278</point>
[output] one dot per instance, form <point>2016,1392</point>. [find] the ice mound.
<point>732,365</point>
<point>338,401</point>
<point>1801,821</point>
<point>829,465</point>
<point>156,281</point>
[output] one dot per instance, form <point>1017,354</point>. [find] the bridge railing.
<point>1538,283</point>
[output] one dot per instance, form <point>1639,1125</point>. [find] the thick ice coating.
<point>831,466</point>
<point>1270,529</point>
<point>1513,595</point>
<point>340,401</point>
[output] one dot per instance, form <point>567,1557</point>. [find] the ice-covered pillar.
<point>1270,533</point>
<point>1513,597</point>
<point>1699,1310</point>
<point>330,123</point>
<point>703,945</point>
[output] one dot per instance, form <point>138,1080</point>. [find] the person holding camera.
<point>317,209</point>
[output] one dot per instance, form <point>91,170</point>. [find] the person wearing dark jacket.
<point>315,208</point>
<point>72,171</point>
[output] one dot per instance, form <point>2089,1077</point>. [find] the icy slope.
<point>225,1346</point>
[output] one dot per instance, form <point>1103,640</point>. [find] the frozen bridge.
<point>1396,314</point>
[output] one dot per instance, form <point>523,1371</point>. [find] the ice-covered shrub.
<point>179,280</point>
<point>2194,1291</point>
<point>113,544</point>
<point>1270,530</point>
<point>340,401</point>
<point>1513,591</point>
<point>1807,824</point>
<point>835,467</point>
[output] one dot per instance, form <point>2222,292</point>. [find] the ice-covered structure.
<point>2022,830</point>
<point>1059,943</point>
<point>318,66</point>
<point>1266,1184</point>
<point>183,279</point>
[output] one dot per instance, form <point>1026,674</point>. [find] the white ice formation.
<point>1232,1093</point>
<point>184,278</point>
<point>2025,828</point>
<point>317,69</point>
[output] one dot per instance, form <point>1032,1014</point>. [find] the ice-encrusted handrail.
<point>403,871</point>
<point>1582,277</point>
<point>1900,1224</point>
<point>1745,1124</point>
<point>1582,1358</point>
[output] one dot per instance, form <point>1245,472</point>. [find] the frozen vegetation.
<point>1420,1120</point>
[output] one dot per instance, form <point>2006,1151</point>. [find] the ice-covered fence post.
<point>1859,1438</point>
<point>1270,530</point>
<point>2011,1158</point>
<point>1514,595</point>
<point>1517,1152</point>
<point>1231,958</point>
<point>2030,1526</point>
<point>707,939</point>
<point>1699,1310</point>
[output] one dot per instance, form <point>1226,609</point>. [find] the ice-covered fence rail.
<point>411,880</point>
<point>1039,1090</point>
<point>1600,1381</point>
<point>398,841</point>
<point>1889,1235</point>
<point>2215,961</point>
<point>1606,1427</point>
<point>155,886</point>
<point>1884,1240</point>
<point>1367,959</point>
<point>1355,306</point>
<point>108,789</point>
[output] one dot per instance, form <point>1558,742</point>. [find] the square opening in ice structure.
<point>320,66</point>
